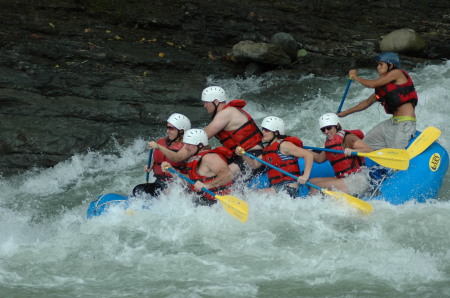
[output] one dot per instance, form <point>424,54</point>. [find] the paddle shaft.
<point>360,204</point>
<point>349,82</point>
<point>280,170</point>
<point>191,181</point>
<point>150,154</point>
<point>387,157</point>
<point>328,150</point>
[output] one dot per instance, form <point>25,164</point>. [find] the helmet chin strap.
<point>199,147</point>
<point>169,141</point>
<point>275,135</point>
<point>390,67</point>
<point>215,110</point>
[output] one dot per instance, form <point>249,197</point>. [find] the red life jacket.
<point>343,165</point>
<point>159,157</point>
<point>194,163</point>
<point>271,154</point>
<point>247,136</point>
<point>392,95</point>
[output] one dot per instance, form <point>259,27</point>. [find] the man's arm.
<point>360,107</point>
<point>219,123</point>
<point>395,76</point>
<point>288,148</point>
<point>253,163</point>
<point>319,157</point>
<point>354,144</point>
<point>179,156</point>
<point>215,165</point>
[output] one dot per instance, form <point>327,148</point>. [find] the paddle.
<point>349,82</point>
<point>387,157</point>
<point>423,141</point>
<point>360,204</point>
<point>233,205</point>
<point>150,154</point>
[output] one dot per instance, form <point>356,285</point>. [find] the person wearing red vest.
<point>351,174</point>
<point>283,152</point>
<point>207,167</point>
<point>177,124</point>
<point>394,89</point>
<point>231,125</point>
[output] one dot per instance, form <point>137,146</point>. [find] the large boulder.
<point>402,41</point>
<point>260,52</point>
<point>287,43</point>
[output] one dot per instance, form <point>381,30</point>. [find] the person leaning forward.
<point>351,174</point>
<point>177,124</point>
<point>232,126</point>
<point>283,152</point>
<point>207,167</point>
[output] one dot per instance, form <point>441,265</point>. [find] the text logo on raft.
<point>435,162</point>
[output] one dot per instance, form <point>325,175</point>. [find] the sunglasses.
<point>323,129</point>
<point>170,127</point>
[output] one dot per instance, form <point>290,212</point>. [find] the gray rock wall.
<point>73,73</point>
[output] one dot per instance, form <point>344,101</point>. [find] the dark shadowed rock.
<point>287,43</point>
<point>260,52</point>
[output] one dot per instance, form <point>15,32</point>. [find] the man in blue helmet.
<point>395,90</point>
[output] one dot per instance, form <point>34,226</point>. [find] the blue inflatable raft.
<point>420,182</point>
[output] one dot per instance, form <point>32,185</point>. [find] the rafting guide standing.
<point>394,89</point>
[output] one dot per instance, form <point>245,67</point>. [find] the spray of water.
<point>307,247</point>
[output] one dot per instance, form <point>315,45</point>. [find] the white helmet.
<point>273,123</point>
<point>179,121</point>
<point>328,120</point>
<point>195,136</point>
<point>212,93</point>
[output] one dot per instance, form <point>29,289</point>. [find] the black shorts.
<point>203,201</point>
<point>154,189</point>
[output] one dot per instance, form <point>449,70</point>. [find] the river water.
<point>308,247</point>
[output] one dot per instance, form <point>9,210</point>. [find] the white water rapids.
<point>314,247</point>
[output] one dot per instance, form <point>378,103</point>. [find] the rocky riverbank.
<point>74,73</point>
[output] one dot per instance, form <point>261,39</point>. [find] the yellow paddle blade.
<point>129,212</point>
<point>360,204</point>
<point>234,206</point>
<point>389,157</point>
<point>423,141</point>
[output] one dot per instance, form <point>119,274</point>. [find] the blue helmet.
<point>389,57</point>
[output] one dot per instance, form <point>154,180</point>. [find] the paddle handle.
<point>150,154</point>
<point>349,82</point>
<point>191,181</point>
<point>328,150</point>
<point>280,170</point>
